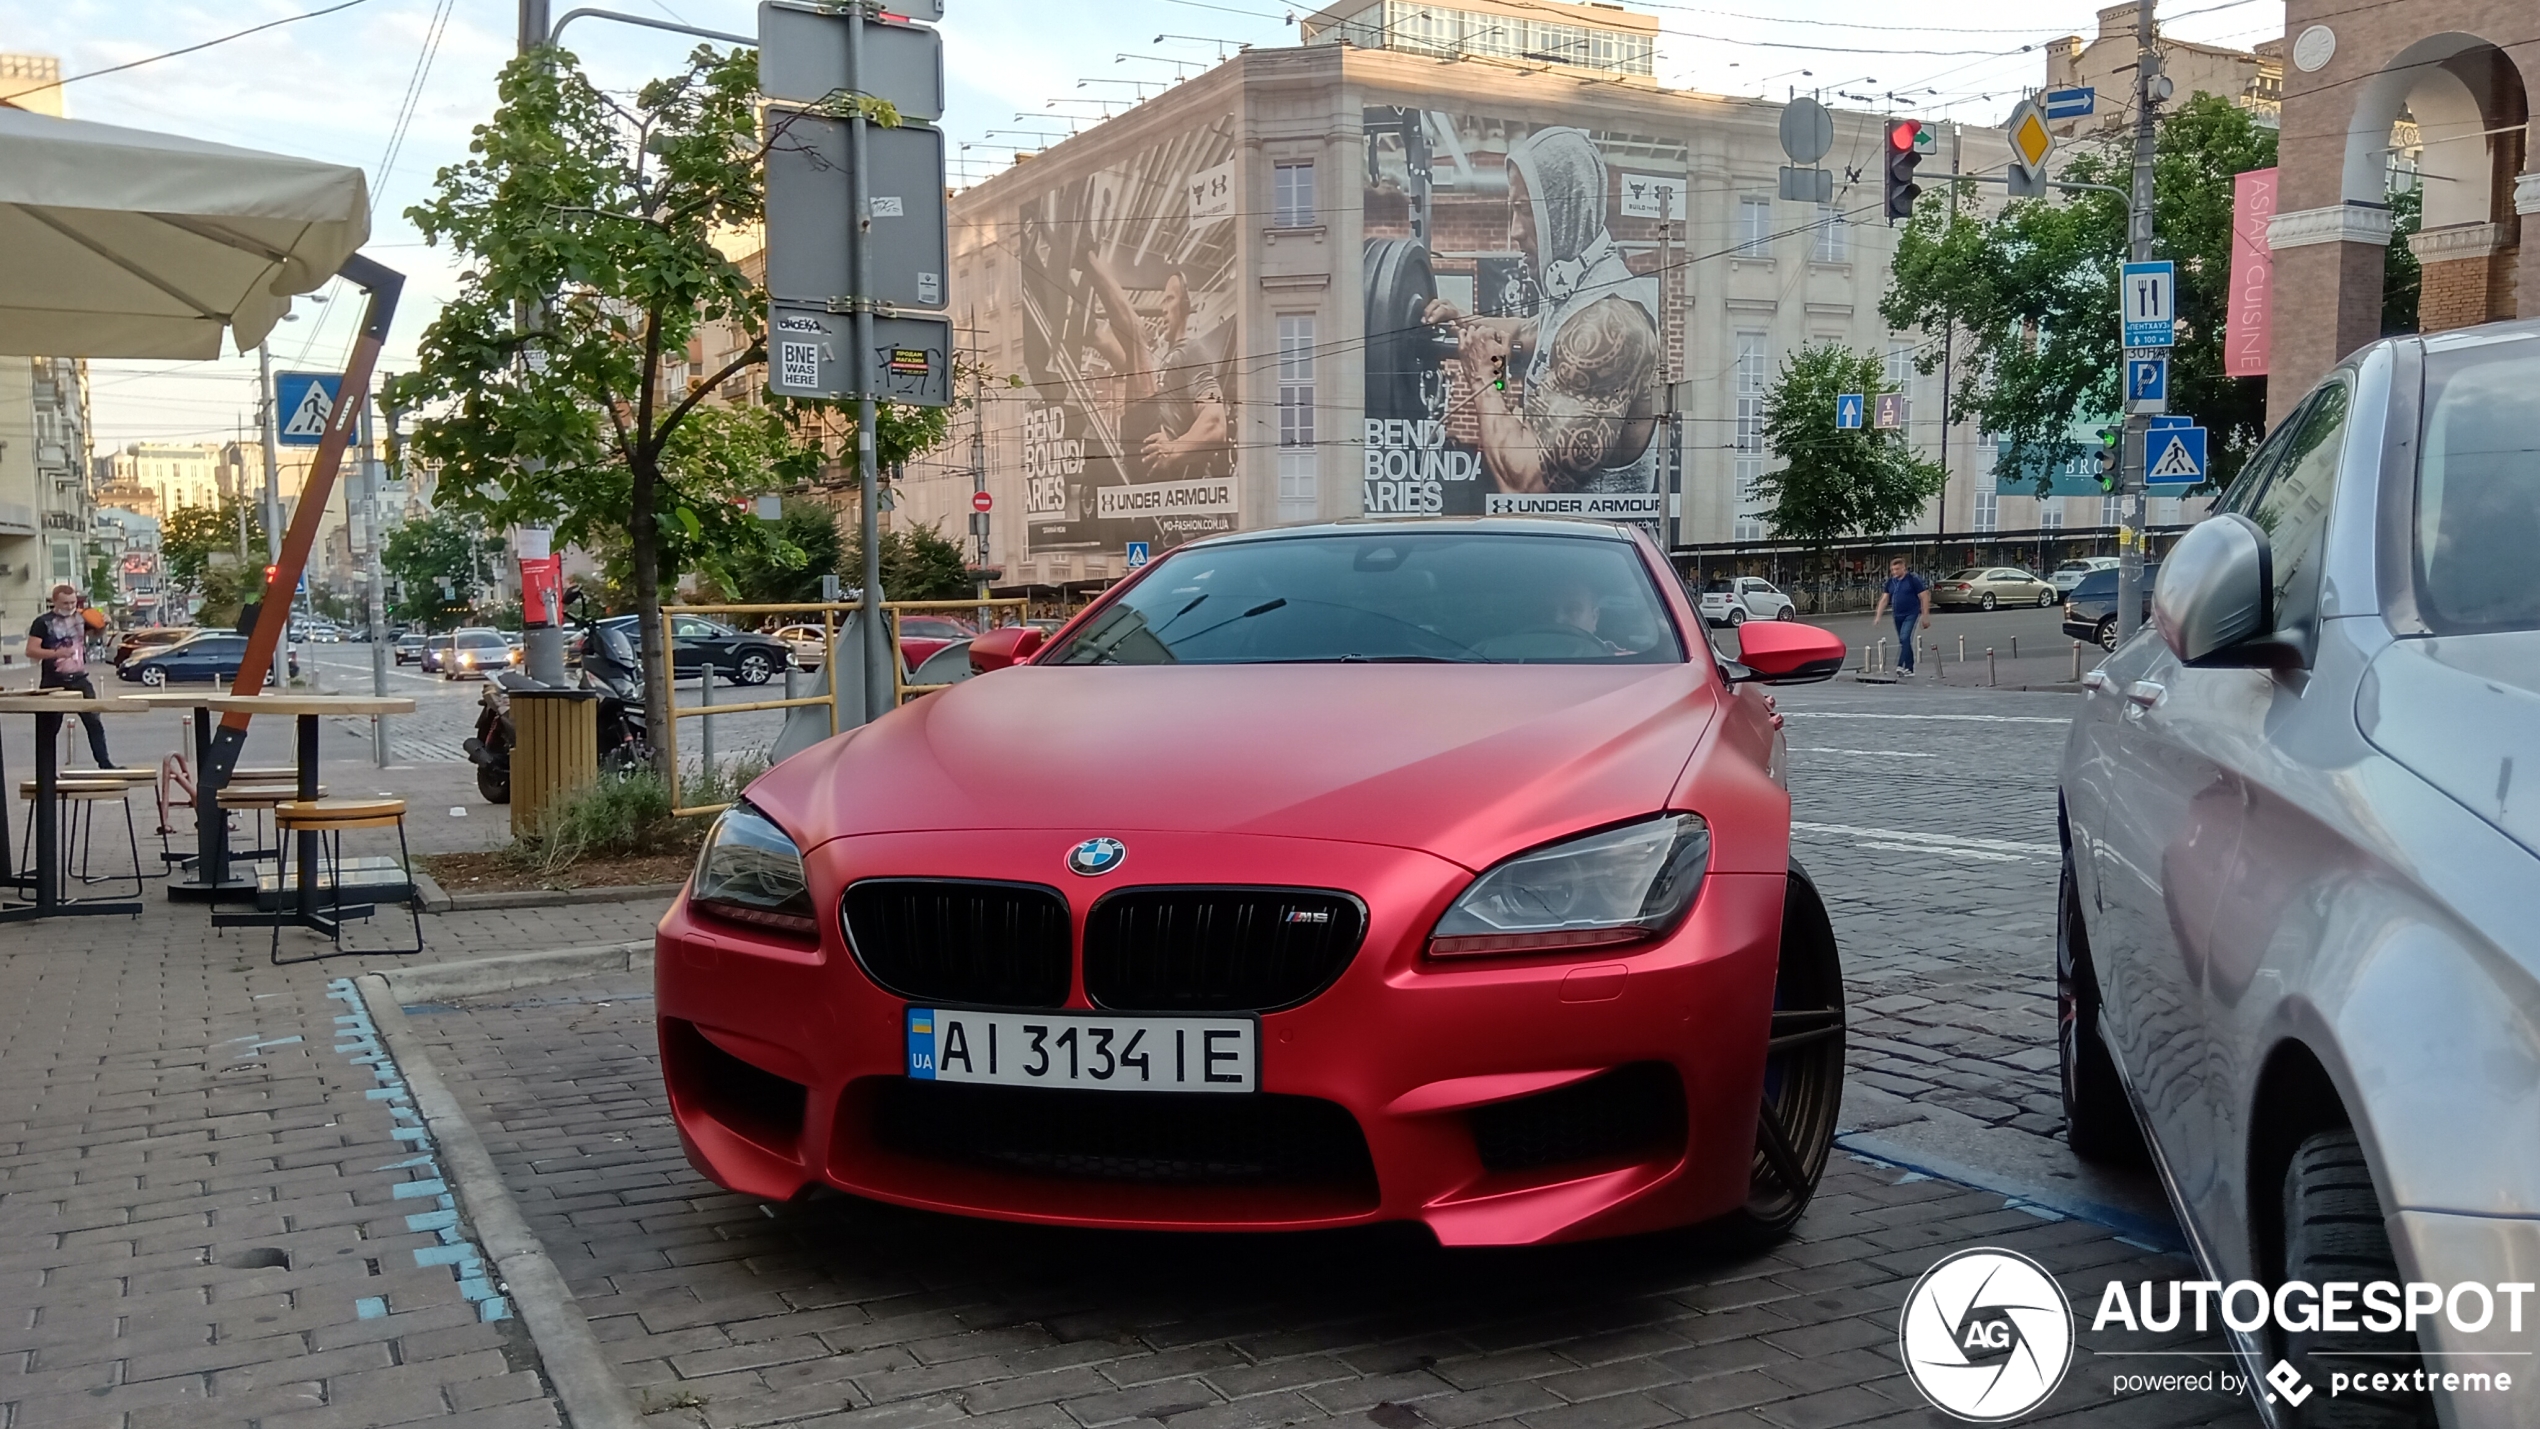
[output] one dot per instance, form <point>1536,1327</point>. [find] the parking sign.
<point>2147,381</point>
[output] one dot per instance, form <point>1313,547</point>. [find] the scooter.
<point>609,666</point>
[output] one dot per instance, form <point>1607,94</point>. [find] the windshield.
<point>2478,492</point>
<point>479,641</point>
<point>1464,597</point>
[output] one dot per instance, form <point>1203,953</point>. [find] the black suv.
<point>2090,612</point>
<point>744,657</point>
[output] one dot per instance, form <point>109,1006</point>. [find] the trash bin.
<point>555,750</point>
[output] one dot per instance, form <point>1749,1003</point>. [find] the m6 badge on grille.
<point>1087,1052</point>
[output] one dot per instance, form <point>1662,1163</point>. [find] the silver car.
<point>2296,949</point>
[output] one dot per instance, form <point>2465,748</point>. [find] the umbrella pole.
<point>383,284</point>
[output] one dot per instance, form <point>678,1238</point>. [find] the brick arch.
<point>2472,110</point>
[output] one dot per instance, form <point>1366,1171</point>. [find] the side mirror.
<point>1003,646</point>
<point>2216,590</point>
<point>1784,652</point>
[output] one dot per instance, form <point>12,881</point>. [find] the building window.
<point>1754,228</point>
<point>1297,500</point>
<point>1292,195</point>
<point>1747,467</point>
<point>1900,363</point>
<point>2110,512</point>
<point>1988,509</point>
<point>2050,513</point>
<point>1834,243</point>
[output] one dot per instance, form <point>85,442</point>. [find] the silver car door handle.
<point>2097,682</point>
<point>2146,693</point>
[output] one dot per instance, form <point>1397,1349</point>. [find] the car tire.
<point>751,668</point>
<point>2046,598</point>
<point>1737,617</point>
<point>1803,1072</point>
<point>1787,613</point>
<point>153,676</point>
<point>494,784</point>
<point>2333,1230</point>
<point>2099,1123</point>
<point>1986,602</point>
<point>2107,636</point>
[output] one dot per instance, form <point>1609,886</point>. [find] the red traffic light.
<point>1902,133</point>
<point>269,570</point>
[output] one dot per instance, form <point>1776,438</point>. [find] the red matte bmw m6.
<point>1434,872</point>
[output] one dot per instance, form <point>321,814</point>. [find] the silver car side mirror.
<point>2216,589</point>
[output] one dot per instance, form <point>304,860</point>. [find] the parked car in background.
<point>1728,600</point>
<point>208,655</point>
<point>922,635</point>
<point>2295,953</point>
<point>136,642</point>
<point>2090,612</point>
<point>1984,587</point>
<point>808,645</point>
<point>744,657</point>
<point>2069,574</point>
<point>477,652</point>
<point>409,647</point>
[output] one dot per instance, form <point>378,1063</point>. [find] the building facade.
<point>2360,76</point>
<point>1344,280</point>
<point>45,502</point>
<point>176,474</point>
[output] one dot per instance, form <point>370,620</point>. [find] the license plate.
<point>1088,1052</point>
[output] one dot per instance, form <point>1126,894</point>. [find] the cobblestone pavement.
<point>214,1208</point>
<point>726,1312</point>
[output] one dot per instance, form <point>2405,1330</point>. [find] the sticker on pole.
<point>2178,456</point>
<point>2146,300</point>
<point>303,401</point>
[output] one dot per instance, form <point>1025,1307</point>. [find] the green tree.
<point>806,547</point>
<point>225,590</point>
<point>543,388</point>
<point>190,534</point>
<point>428,550</point>
<point>2034,291</point>
<point>918,563</point>
<point>2402,277</point>
<point>1837,482</point>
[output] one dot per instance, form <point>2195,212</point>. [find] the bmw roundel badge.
<point>1096,857</point>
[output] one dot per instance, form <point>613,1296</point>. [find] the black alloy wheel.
<point>1803,1071</point>
<point>2333,1231</point>
<point>2099,1123</point>
<point>752,668</point>
<point>2107,636</point>
<point>1987,603</point>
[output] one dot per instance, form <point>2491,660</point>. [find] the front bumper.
<point>786,1065</point>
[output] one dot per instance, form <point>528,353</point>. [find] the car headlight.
<point>1602,890</point>
<point>750,872</point>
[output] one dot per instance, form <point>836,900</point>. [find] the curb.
<point>571,1355</point>
<point>517,970</point>
<point>437,899</point>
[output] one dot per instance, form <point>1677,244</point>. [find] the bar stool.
<point>372,878</point>
<point>258,801</point>
<point>79,797</point>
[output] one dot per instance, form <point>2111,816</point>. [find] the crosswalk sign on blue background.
<point>302,401</point>
<point>2174,456</point>
<point>1137,554</point>
<point>1847,411</point>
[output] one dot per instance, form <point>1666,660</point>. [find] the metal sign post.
<point>2149,89</point>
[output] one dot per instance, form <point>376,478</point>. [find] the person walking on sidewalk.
<point>1908,597</point>
<point>58,643</point>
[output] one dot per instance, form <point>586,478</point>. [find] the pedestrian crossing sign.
<point>2177,456</point>
<point>302,403</point>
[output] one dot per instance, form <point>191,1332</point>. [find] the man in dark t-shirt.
<point>1908,596</point>
<point>58,643</point>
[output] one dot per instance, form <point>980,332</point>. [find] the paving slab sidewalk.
<point>215,1206</point>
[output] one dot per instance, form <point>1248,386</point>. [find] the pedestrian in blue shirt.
<point>1909,597</point>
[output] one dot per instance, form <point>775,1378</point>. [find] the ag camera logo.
<point>1987,1335</point>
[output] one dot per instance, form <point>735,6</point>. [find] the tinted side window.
<point>2290,498</point>
<point>2478,492</point>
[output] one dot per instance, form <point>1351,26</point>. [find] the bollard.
<point>2015,647</point>
<point>705,696</point>
<point>2076,661</point>
<point>1962,647</point>
<point>1990,674</point>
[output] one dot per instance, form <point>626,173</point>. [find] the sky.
<point>395,86</point>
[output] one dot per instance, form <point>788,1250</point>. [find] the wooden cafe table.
<point>49,711</point>
<point>211,876</point>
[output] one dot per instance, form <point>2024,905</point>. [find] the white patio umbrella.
<point>124,243</point>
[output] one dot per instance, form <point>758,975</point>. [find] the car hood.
<point>1467,762</point>
<point>2462,712</point>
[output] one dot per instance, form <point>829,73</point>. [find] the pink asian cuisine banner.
<point>2252,275</point>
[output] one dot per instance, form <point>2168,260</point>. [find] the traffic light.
<point>269,570</point>
<point>2106,473</point>
<point>1499,374</point>
<point>1902,156</point>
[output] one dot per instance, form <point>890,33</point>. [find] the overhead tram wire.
<point>187,50</point>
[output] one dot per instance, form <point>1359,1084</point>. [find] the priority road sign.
<point>1847,411</point>
<point>1137,554</point>
<point>302,401</point>
<point>1891,411</point>
<point>2177,456</point>
<point>2146,304</point>
<point>2070,103</point>
<point>2147,381</point>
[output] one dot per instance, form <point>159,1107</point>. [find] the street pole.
<point>373,613</point>
<point>2147,76</point>
<point>273,456</point>
<point>880,689</point>
<point>1949,350</point>
<point>979,465</point>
